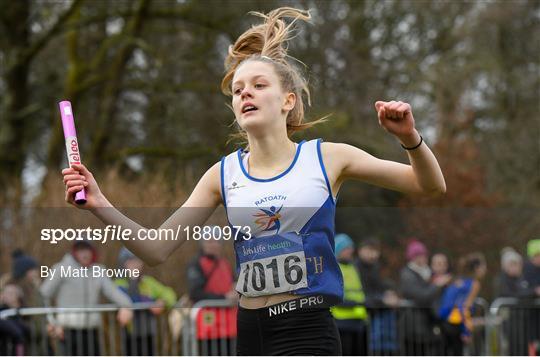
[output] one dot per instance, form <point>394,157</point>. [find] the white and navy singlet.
<point>290,220</point>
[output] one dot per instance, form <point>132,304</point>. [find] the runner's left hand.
<point>396,118</point>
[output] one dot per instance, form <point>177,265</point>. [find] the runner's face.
<point>256,83</point>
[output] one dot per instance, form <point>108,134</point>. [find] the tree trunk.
<point>13,125</point>
<point>112,90</point>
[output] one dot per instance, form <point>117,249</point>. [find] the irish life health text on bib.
<point>271,265</point>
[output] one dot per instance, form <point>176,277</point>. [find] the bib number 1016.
<point>273,275</point>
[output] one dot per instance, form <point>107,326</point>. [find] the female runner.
<point>281,193</point>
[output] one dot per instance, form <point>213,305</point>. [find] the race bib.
<point>271,265</point>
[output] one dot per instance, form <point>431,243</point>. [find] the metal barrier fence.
<point>146,334</point>
<point>410,330</point>
<point>507,327</point>
<point>514,327</point>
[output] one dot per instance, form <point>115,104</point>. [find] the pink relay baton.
<point>72,146</point>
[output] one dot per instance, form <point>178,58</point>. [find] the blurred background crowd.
<point>435,294</point>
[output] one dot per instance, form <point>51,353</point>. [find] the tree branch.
<point>34,49</point>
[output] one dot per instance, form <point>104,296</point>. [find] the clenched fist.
<point>397,119</point>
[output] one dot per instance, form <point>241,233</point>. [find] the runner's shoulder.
<point>335,154</point>
<point>213,176</point>
<point>337,149</point>
<point>207,192</point>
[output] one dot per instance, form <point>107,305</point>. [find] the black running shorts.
<point>287,329</point>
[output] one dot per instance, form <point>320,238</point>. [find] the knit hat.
<point>124,255</point>
<point>508,255</point>
<point>22,263</point>
<point>415,249</point>
<point>342,241</point>
<point>533,247</point>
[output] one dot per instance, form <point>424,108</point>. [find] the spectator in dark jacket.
<point>379,292</point>
<point>531,270</point>
<point>439,264</point>
<point>531,274</point>
<point>14,330</point>
<point>381,300</point>
<point>418,323</point>
<point>25,276</point>
<point>511,284</point>
<point>510,281</point>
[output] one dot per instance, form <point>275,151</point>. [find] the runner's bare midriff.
<point>265,301</point>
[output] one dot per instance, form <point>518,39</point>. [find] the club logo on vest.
<point>268,219</point>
